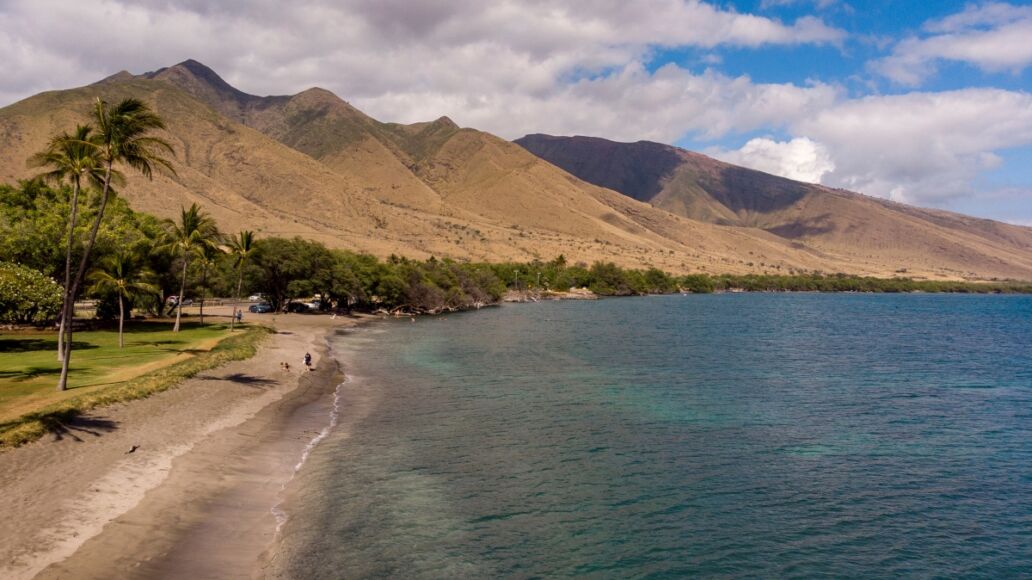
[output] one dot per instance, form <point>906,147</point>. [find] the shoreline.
<point>198,497</point>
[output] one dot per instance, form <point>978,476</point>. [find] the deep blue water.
<point>735,435</point>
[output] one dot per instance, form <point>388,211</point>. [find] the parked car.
<point>297,307</point>
<point>256,297</point>
<point>261,308</point>
<point>173,300</point>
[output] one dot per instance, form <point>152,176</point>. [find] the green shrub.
<point>27,296</point>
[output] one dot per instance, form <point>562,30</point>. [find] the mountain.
<point>313,165</point>
<point>855,228</point>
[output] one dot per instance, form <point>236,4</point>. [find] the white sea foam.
<point>277,510</point>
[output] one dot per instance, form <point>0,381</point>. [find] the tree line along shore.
<point>139,261</point>
<point>67,235</point>
<point>70,224</point>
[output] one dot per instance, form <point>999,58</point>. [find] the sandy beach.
<point>195,500</point>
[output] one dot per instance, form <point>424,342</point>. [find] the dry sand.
<point>195,500</point>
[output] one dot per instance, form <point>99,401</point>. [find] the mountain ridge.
<point>837,221</point>
<point>311,164</point>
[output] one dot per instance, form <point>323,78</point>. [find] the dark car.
<point>297,307</point>
<point>261,308</point>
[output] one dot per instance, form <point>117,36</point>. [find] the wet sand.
<point>195,500</point>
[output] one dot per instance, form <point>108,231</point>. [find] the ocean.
<point>727,435</point>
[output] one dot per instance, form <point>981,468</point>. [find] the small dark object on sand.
<point>132,449</point>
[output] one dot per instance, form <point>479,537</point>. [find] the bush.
<point>27,296</point>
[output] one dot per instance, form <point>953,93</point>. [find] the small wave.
<point>277,511</point>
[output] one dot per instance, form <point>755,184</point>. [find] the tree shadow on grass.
<point>161,342</point>
<point>185,350</point>
<point>38,344</point>
<point>164,326</point>
<point>30,373</point>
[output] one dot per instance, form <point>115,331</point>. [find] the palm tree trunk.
<point>240,283</point>
<point>182,292</point>
<point>204,281</point>
<point>121,320</point>
<point>68,267</point>
<point>62,383</point>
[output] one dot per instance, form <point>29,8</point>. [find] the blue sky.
<point>923,102</point>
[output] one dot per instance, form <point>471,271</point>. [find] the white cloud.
<point>819,4</point>
<point>923,148</point>
<point>365,48</point>
<point>993,37</point>
<point>801,158</point>
<point>520,66</point>
<point>919,147</point>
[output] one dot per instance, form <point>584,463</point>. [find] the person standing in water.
<point>308,361</point>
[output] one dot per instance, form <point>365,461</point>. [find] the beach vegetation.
<point>194,236</point>
<point>241,247</point>
<point>73,158</point>
<point>27,296</point>
<point>124,277</point>
<point>121,134</point>
<point>153,359</point>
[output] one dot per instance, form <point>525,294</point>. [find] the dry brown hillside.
<point>312,165</point>
<point>860,230</point>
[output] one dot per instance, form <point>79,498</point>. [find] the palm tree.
<point>122,136</point>
<point>74,158</point>
<point>123,274</point>
<point>195,232</point>
<point>241,246</point>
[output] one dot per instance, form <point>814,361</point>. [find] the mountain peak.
<point>445,122</point>
<point>319,94</point>
<point>119,77</point>
<point>200,81</point>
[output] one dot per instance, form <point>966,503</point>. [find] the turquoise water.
<point>787,435</point>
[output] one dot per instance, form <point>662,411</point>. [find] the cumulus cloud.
<point>924,148</point>
<point>577,67</point>
<point>919,147</point>
<point>507,67</point>
<point>993,37</point>
<point>801,158</point>
<point>364,48</point>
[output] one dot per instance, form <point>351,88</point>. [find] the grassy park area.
<point>154,359</point>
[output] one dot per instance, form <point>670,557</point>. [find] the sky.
<point>924,102</point>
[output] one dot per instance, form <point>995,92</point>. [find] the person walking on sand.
<point>308,361</point>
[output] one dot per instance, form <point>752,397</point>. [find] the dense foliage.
<point>27,296</point>
<point>33,214</point>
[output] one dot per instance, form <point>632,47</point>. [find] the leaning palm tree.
<point>241,246</point>
<point>190,237</point>
<point>124,275</point>
<point>73,158</point>
<point>122,137</point>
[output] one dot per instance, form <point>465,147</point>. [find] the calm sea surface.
<point>733,435</point>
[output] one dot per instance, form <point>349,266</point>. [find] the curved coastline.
<point>216,454</point>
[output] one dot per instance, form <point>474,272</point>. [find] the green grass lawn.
<point>153,359</point>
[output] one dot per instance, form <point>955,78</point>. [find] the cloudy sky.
<point>920,101</point>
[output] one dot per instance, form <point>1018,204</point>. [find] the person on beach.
<point>308,361</point>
